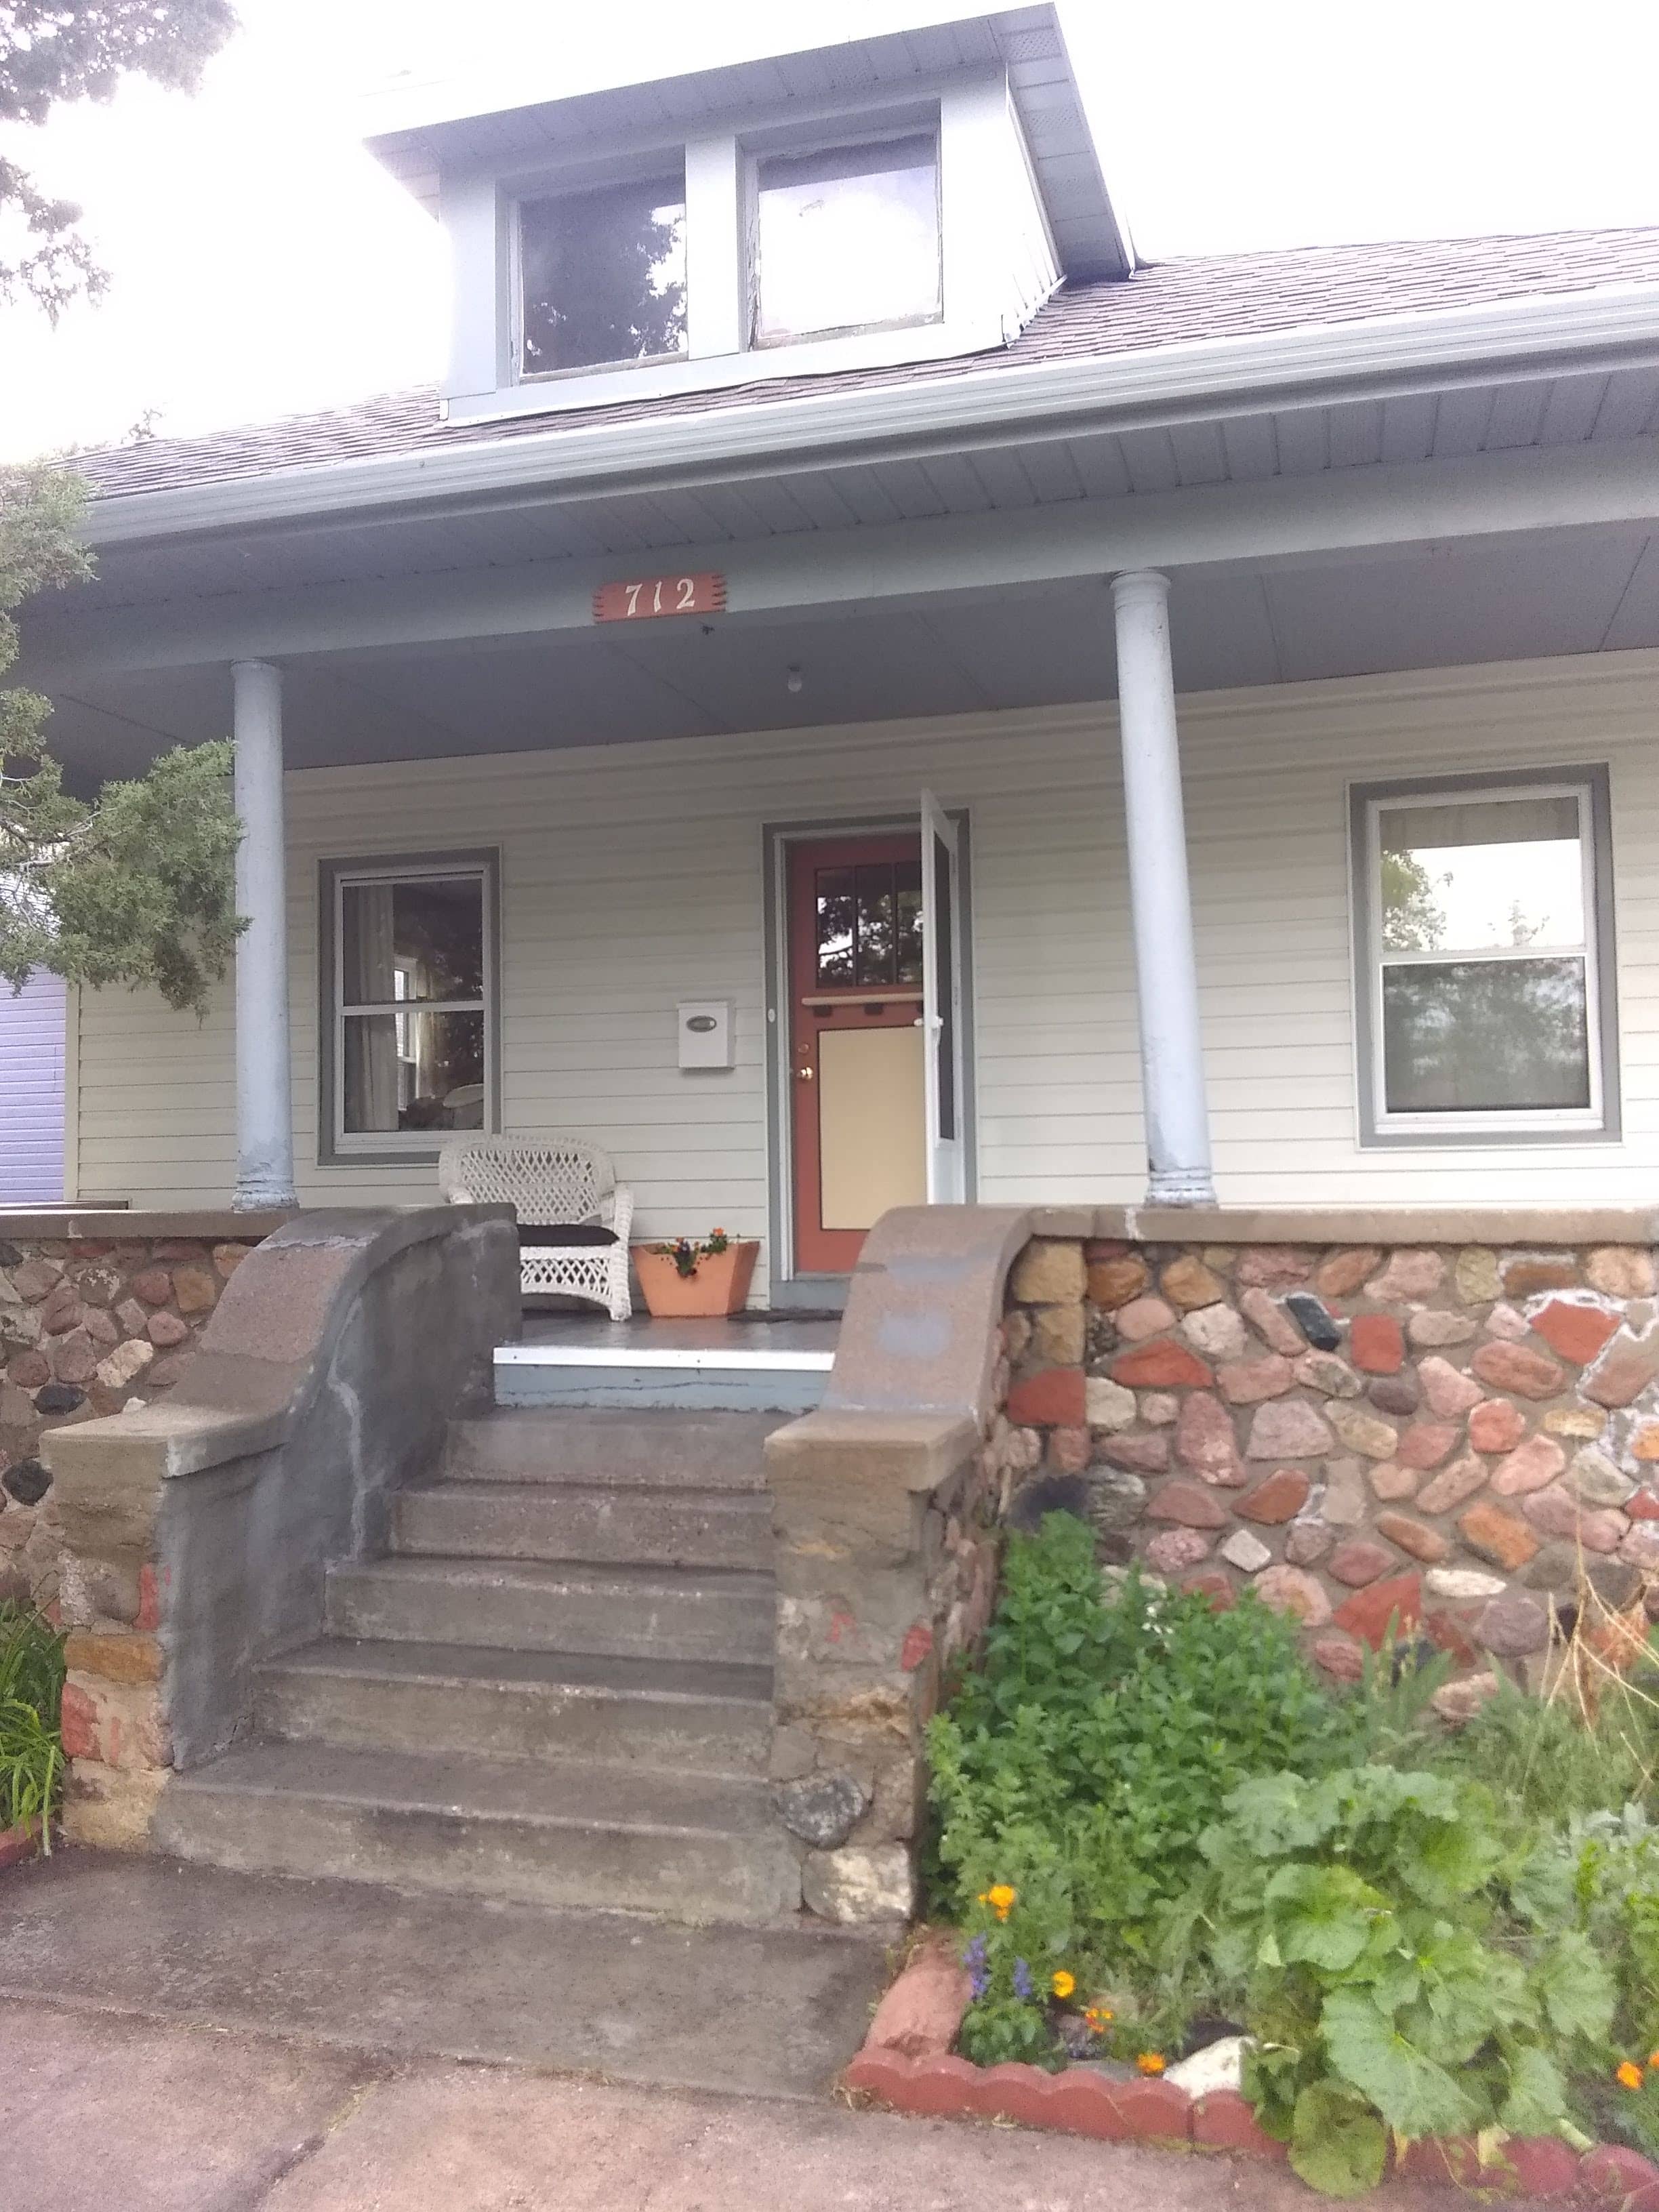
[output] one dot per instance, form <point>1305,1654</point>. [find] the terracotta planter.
<point>720,1285</point>
<point>19,1844</point>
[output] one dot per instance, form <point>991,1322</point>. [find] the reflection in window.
<point>1484,954</point>
<point>602,276</point>
<point>869,925</point>
<point>847,238</point>
<point>412,987</point>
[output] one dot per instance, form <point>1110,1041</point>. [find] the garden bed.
<point>18,1843</point>
<point>1429,1948</point>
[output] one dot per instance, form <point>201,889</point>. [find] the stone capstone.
<point>822,1809</point>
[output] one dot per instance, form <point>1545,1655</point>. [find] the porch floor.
<point>744,1363</point>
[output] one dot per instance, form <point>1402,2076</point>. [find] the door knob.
<point>804,1075</point>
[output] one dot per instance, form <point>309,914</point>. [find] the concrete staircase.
<point>556,1687</point>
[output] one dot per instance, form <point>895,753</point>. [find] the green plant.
<point>1408,1963</point>
<point>1546,1759</point>
<point>31,1702</point>
<point>685,1251</point>
<point>1080,1764</point>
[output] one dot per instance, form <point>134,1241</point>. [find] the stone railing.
<point>1441,1420</point>
<point>196,1532</point>
<point>97,1309</point>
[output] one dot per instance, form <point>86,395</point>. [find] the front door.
<point>856,1038</point>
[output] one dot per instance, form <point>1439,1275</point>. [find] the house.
<point>32,1029</point>
<point>824,513</point>
<point>1106,812</point>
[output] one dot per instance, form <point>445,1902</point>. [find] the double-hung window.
<point>409,999</point>
<point>1483,909</point>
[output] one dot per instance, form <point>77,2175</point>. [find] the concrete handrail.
<point>197,1531</point>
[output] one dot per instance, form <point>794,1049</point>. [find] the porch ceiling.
<point>1437,605</point>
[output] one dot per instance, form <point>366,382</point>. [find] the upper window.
<point>1486,983</point>
<point>847,238</point>
<point>411,999</point>
<point>602,276</point>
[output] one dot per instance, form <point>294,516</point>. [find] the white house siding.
<point>32,1091</point>
<point>632,877</point>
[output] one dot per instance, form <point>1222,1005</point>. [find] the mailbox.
<point>706,1033</point>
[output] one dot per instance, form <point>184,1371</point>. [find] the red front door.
<point>855,1043</point>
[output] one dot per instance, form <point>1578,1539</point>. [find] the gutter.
<point>1203,379</point>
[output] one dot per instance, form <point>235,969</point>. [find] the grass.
<point>31,1702</point>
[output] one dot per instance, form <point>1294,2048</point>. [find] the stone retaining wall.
<point>1462,1438</point>
<point>97,1311</point>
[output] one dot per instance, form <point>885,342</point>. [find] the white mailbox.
<point>706,1033</point>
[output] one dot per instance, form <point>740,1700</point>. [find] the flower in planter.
<point>1099,2018</point>
<point>975,1959</point>
<point>685,1251</point>
<point>1002,1899</point>
<point>1024,1988</point>
<point>1629,2074</point>
<point>1150,2061</point>
<point>1062,1983</point>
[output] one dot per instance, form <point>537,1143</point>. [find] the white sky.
<point>264,264</point>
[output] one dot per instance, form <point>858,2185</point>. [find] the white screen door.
<point>941,1005</point>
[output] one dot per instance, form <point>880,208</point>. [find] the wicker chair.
<point>552,1183</point>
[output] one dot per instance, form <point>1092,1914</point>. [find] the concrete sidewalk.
<point>99,2111</point>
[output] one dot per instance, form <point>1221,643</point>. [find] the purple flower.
<point>1022,1984</point>
<point>979,1974</point>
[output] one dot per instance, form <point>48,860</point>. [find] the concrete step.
<point>519,1705</point>
<point>688,1451</point>
<point>658,1526</point>
<point>529,1604</point>
<point>694,1848</point>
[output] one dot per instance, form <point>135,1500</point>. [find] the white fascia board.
<point>1336,515</point>
<point>1202,380</point>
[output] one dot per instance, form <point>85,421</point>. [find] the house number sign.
<point>641,597</point>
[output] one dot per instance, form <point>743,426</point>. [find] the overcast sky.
<point>263,263</point>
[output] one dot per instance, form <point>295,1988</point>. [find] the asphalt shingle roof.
<point>1164,303</point>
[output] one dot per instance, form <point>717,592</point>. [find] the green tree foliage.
<point>1411,919</point>
<point>138,887</point>
<point>52,50</point>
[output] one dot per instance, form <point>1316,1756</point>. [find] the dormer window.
<point>602,276</point>
<point>847,238</point>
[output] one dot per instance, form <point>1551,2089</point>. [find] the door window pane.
<point>875,924</point>
<point>420,940</point>
<point>907,884</point>
<point>603,276</point>
<point>847,238</point>
<point>1467,876</point>
<point>1483,1036</point>
<point>835,927</point>
<point>416,1071</point>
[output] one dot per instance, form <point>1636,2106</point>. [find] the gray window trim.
<point>487,860</point>
<point>1594,777</point>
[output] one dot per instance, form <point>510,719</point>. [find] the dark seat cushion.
<point>566,1233</point>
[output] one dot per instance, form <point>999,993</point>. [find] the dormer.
<point>906,197</point>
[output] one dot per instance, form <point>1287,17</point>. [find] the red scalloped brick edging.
<point>1078,2101</point>
<point>19,1844</point>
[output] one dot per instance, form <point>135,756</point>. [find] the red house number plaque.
<point>643,596</point>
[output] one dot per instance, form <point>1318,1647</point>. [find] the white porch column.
<point>264,1123</point>
<point>1166,970</point>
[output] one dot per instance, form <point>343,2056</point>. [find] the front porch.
<point>748,1362</point>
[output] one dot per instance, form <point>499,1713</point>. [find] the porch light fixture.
<point>793,681</point>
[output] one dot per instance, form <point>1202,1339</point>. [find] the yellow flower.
<point>1150,2061</point>
<point>1653,2059</point>
<point>1063,1984</point>
<point>1000,1898</point>
<point>1630,2075</point>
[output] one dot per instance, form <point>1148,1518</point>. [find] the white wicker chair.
<point>548,1181</point>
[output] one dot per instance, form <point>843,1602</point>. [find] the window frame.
<point>1598,1122</point>
<point>574,186</point>
<point>336,1146</point>
<point>848,136</point>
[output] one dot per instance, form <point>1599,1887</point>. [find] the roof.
<point>489,110</point>
<point>1164,304</point>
